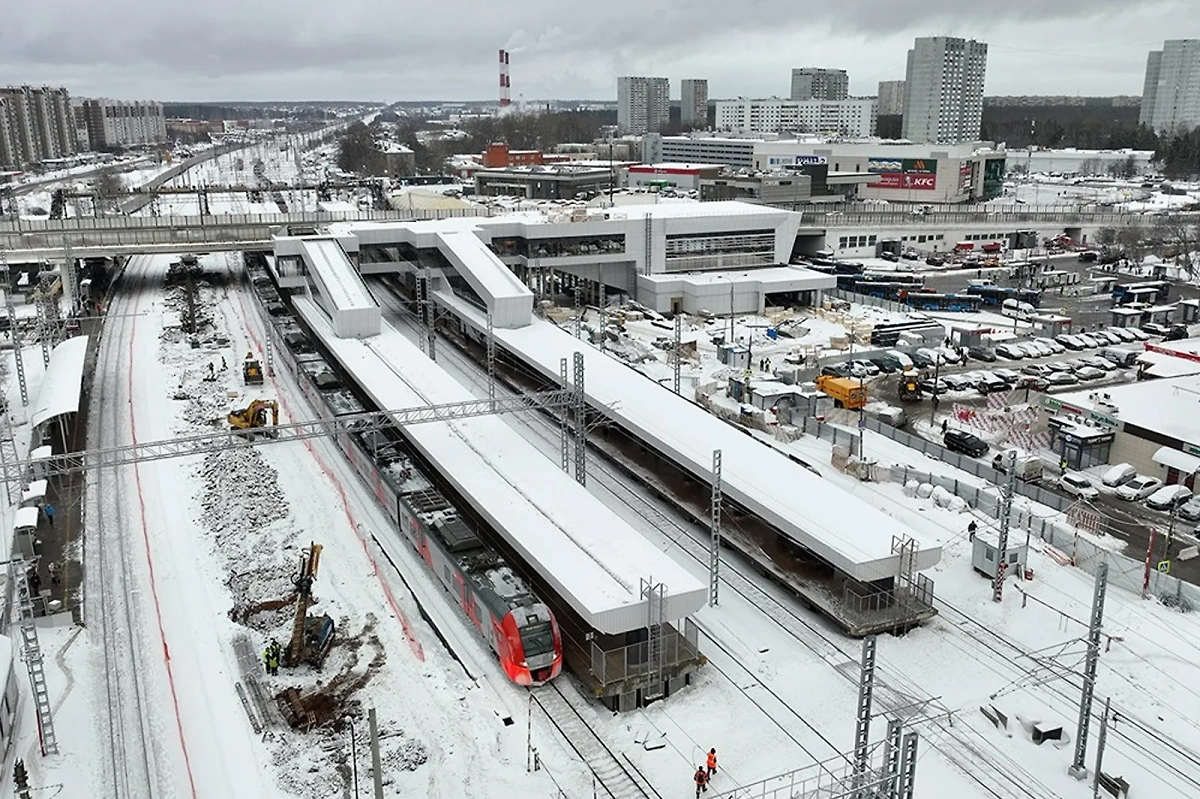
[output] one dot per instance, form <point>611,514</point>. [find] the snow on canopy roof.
<point>337,276</point>
<point>592,557</point>
<point>62,383</point>
<point>25,517</point>
<point>842,529</point>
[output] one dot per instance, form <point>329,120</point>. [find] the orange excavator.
<point>253,419</point>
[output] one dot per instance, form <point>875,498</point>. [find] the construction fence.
<point>1064,542</point>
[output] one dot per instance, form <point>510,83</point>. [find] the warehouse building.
<point>557,182</point>
<point>683,177</point>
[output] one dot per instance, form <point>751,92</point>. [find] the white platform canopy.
<point>591,556</point>
<point>63,382</point>
<point>342,291</point>
<point>845,531</point>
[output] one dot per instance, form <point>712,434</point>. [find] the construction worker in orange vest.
<point>712,762</point>
<point>701,778</point>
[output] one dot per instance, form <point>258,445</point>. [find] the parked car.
<point>1190,510</point>
<point>1137,334</point>
<point>1139,487</point>
<point>1039,349</point>
<point>1036,369</point>
<point>949,354</point>
<point>1090,373</point>
<point>1123,333</point>
<point>1010,352</point>
<point>885,365</point>
<point>1088,342</point>
<point>1077,485</point>
<point>1075,364</point>
<point>836,369</point>
<point>958,382</point>
<point>1109,336</point>
<point>898,359</point>
<point>1098,362</point>
<point>935,260</point>
<point>1054,347</point>
<point>929,387</point>
<point>1168,497</point>
<point>964,442</point>
<point>1069,341</point>
<point>1059,366</point>
<point>1155,329</point>
<point>920,359</point>
<point>1060,379</point>
<point>989,383</point>
<point>982,354</point>
<point>1118,475</point>
<point>1007,375</point>
<point>863,368</point>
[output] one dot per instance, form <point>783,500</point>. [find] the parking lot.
<point>960,383</point>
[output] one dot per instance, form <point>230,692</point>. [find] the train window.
<point>446,571</point>
<point>537,639</point>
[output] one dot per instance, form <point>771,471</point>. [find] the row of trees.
<point>1173,237</point>
<point>1179,155</point>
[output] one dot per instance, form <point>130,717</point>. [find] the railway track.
<point>615,774</point>
<point>977,758</point>
<point>130,769</point>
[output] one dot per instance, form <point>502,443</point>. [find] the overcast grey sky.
<point>408,50</point>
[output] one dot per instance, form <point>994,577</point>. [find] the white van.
<point>1016,308</point>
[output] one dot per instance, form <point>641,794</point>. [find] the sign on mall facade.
<point>919,174</point>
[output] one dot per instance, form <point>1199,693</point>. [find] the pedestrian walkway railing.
<point>678,646</point>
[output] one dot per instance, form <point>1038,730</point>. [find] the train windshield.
<point>538,639</point>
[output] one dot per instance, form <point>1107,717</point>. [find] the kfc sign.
<point>902,181</point>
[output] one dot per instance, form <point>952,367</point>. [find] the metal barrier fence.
<point>965,463</point>
<point>857,217</point>
<point>615,665</point>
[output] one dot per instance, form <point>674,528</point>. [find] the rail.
<point>618,777</point>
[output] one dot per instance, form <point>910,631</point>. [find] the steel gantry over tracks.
<point>203,443</point>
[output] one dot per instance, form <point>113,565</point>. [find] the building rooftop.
<point>1168,406</point>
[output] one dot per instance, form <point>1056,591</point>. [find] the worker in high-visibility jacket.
<point>712,762</point>
<point>701,778</point>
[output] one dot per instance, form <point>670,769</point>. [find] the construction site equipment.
<point>252,372</point>
<point>312,636</point>
<point>910,386</point>
<point>252,419</point>
<point>846,393</point>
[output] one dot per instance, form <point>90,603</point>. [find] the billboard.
<point>918,174</point>
<point>899,180</point>
<point>789,160</point>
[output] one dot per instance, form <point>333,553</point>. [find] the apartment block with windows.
<point>36,125</point>
<point>693,103</point>
<point>1171,94</point>
<point>643,104</point>
<point>943,90</point>
<point>121,123</point>
<point>816,83</point>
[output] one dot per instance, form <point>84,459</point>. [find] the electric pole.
<point>1078,770</point>
<point>1002,532</point>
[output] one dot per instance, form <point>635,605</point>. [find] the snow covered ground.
<point>194,550</point>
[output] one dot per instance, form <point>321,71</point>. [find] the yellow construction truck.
<point>846,392</point>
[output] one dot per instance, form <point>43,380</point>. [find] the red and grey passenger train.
<point>503,609</point>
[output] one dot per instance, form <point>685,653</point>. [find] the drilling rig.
<point>312,636</point>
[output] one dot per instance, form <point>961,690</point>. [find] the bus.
<point>1152,292</point>
<point>993,296</point>
<point>943,302</point>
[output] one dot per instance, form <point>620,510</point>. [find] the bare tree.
<point>1133,240</point>
<point>108,188</point>
<point>1178,237</point>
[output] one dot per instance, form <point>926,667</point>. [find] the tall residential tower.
<point>815,83</point>
<point>943,90</point>
<point>693,103</point>
<point>36,124</point>
<point>1171,96</point>
<point>643,104</point>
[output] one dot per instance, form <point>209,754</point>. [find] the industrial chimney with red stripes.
<point>505,98</point>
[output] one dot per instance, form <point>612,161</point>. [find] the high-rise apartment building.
<point>643,104</point>
<point>854,118</point>
<point>120,123</point>
<point>693,103</point>
<point>943,90</point>
<point>36,124</point>
<point>815,83</point>
<point>891,97</point>
<point>1171,95</point>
